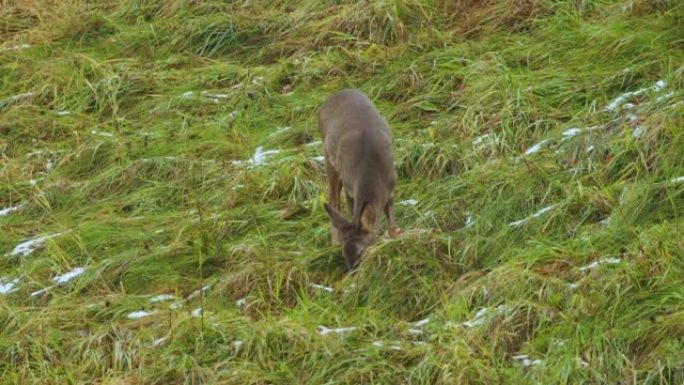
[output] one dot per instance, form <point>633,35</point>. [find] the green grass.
<point>127,127</point>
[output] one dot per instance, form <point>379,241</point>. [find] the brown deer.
<point>358,156</point>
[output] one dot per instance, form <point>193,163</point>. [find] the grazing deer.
<point>358,156</point>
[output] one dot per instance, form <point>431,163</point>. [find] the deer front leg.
<point>389,213</point>
<point>334,187</point>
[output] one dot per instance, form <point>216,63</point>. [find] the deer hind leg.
<point>334,187</point>
<point>389,213</point>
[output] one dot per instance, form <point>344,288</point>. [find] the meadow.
<point>162,189</point>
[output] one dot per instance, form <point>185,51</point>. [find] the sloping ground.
<point>151,149</point>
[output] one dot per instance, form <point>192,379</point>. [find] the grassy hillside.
<point>161,193</point>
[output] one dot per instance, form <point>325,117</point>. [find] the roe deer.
<point>358,156</point>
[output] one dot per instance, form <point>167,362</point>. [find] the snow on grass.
<point>260,155</point>
<point>258,158</point>
<point>409,202</point>
<point>162,298</point>
<point>27,247</point>
<point>11,209</point>
<point>66,277</point>
<point>15,98</point>
<point>140,314</point>
<point>62,113</point>
<point>8,286</point>
<point>679,179</point>
<point>469,222</point>
<point>605,261</point>
<point>197,313</point>
<point>320,159</point>
<point>620,100</point>
<point>41,291</point>
<point>478,319</point>
<point>482,315</point>
<point>574,131</point>
<point>321,287</point>
<point>536,147</point>
<point>241,302</point>
<point>535,215</point>
<point>396,345</point>
<point>525,360</point>
<point>100,133</point>
<point>16,47</point>
<point>210,95</point>
<point>322,330</point>
<point>157,342</point>
<point>480,139</point>
<point>422,322</point>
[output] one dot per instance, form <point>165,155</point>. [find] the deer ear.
<point>337,218</point>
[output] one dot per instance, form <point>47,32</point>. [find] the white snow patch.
<point>573,285</point>
<point>535,215</point>
<point>664,97</point>
<point>237,344</point>
<point>197,312</point>
<point>197,292</point>
<point>535,148</point>
<point>415,331</point>
<point>7,286</point>
<point>140,314</point>
<point>469,222</point>
<point>526,362</point>
<point>188,94</point>
<point>17,47</point>
<point>11,209</point>
<point>33,182</point>
<point>605,261</point>
<point>214,96</point>
<point>241,302</point>
<point>349,289</point>
<point>15,98</point>
<point>571,132</point>
<point>27,247</point>
<point>422,322</point>
<point>620,100</point>
<point>64,278</point>
<point>590,149</point>
<point>409,202</point>
<point>381,344</point>
<point>62,113</point>
<point>480,139</point>
<point>574,131</point>
<point>638,131</point>
<point>679,179</point>
<point>478,319</point>
<point>322,330</point>
<point>321,287</point>
<point>314,143</point>
<point>161,298</point>
<point>260,155</point>
<point>158,341</point>
<point>41,291</point>
<point>320,159</point>
<point>481,316</point>
<point>105,134</point>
